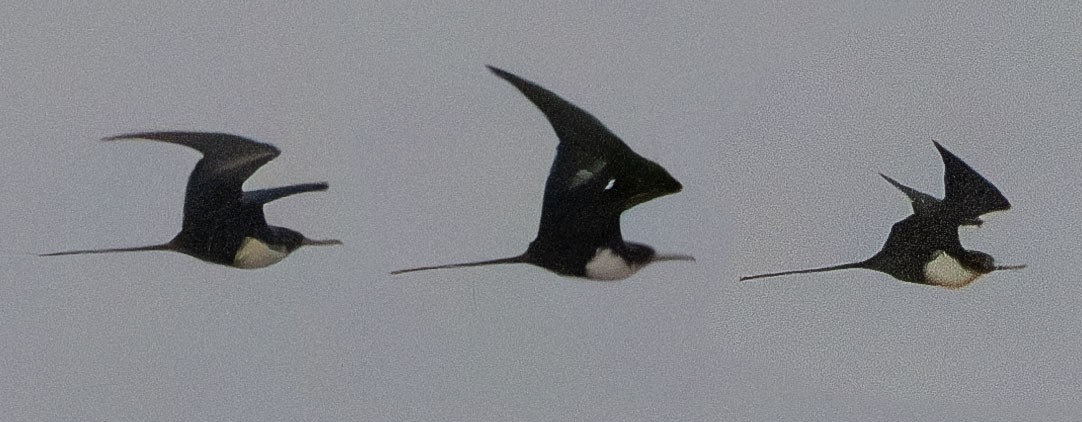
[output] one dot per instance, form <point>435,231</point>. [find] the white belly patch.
<point>256,254</point>
<point>606,265</point>
<point>946,271</point>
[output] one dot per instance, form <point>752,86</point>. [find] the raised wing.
<point>214,188</point>
<point>967,192</point>
<point>574,126</point>
<point>921,201</point>
<point>594,177</point>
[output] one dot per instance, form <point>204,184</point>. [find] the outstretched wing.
<point>214,187</point>
<point>594,177</point>
<point>921,201</point>
<point>967,192</point>
<point>575,127</point>
<point>264,196</point>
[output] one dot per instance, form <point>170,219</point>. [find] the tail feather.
<point>162,247</point>
<point>511,260</point>
<point>812,270</point>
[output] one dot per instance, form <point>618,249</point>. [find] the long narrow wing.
<point>967,192</point>
<point>574,126</point>
<point>594,177</point>
<point>264,196</point>
<point>921,201</point>
<point>215,184</point>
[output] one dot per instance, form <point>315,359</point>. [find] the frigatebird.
<point>924,247</point>
<point>594,178</point>
<point>222,223</point>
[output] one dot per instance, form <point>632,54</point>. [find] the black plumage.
<point>924,248</point>
<point>222,223</point>
<point>594,178</point>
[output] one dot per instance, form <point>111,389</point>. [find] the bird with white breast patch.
<point>222,223</point>
<point>924,248</point>
<point>594,178</point>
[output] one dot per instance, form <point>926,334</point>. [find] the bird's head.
<point>291,239</point>
<point>979,261</point>
<point>648,181</point>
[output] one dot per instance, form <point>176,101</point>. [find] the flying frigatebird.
<point>924,248</point>
<point>594,178</point>
<point>222,223</point>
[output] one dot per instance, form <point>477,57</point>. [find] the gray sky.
<point>776,118</point>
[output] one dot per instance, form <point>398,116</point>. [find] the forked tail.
<point>813,270</point>
<point>521,259</point>
<point>162,247</point>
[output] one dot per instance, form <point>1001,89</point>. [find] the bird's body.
<point>924,248</point>
<point>594,178</point>
<point>223,224</point>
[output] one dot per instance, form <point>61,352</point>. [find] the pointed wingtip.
<point>967,187</point>
<point>889,179</point>
<point>211,144</point>
<point>507,76</point>
<point>921,201</point>
<point>320,186</point>
<point>912,194</point>
<point>939,146</point>
<point>149,135</point>
<point>944,152</point>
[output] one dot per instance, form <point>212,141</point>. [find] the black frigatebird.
<point>222,223</point>
<point>924,248</point>
<point>594,178</point>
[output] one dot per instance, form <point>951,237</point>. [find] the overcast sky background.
<point>775,117</point>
